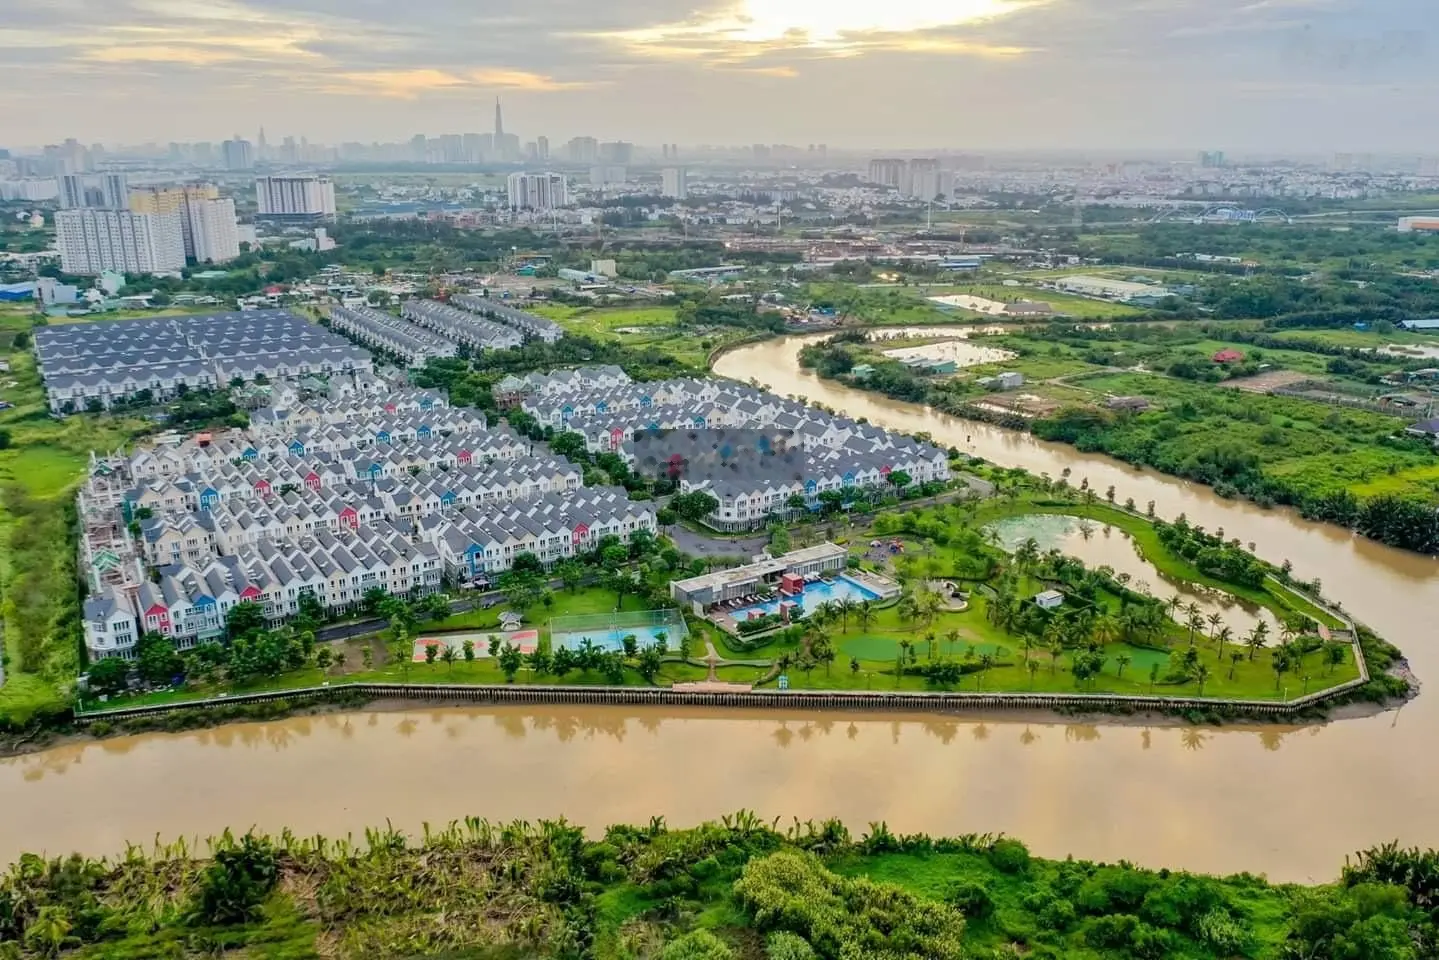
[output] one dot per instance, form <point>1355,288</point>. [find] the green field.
<point>655,327</point>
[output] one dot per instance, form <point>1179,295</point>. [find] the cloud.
<point>411,84</point>
<point>841,28</point>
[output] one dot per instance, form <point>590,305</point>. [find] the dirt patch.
<point>1268,381</point>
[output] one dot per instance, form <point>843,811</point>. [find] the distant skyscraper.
<point>499,122</point>
<point>887,173</point>
<point>538,191</point>
<point>676,183</point>
<point>583,150</point>
<point>542,148</point>
<point>617,152</point>
<point>238,154</point>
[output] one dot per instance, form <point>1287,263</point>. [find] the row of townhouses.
<point>101,363</point>
<point>530,324</point>
<point>461,326</point>
<point>286,412</point>
<point>512,389</point>
<point>752,450</point>
<point>180,527</point>
<point>412,344</point>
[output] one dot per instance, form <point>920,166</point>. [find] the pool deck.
<point>882,588</point>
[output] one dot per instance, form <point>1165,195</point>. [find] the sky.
<point>1290,76</point>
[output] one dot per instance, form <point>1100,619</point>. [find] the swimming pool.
<point>814,594</point>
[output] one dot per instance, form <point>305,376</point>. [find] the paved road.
<point>702,545</point>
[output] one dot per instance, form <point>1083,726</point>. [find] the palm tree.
<point>1280,665</point>
<point>929,638</point>
<point>1235,658</point>
<point>1105,631</point>
<point>865,613</point>
<point>1033,667</point>
<point>1121,661</point>
<point>845,606</point>
<point>1201,673</point>
<point>1254,640</point>
<point>1215,619</point>
<point>951,637</point>
<point>1195,622</point>
<point>1055,652</point>
<point>1173,604</point>
<point>1225,635</point>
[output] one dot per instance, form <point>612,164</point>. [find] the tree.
<point>1201,675</point>
<point>449,657</point>
<point>694,506</point>
<point>511,659</point>
<point>527,563</point>
<point>1215,619</point>
<point>157,661</point>
<point>539,661</point>
<point>432,650</point>
<point>865,613</point>
<point>49,932</point>
<point>899,479</point>
<point>1153,676</point>
<point>1335,653</point>
<point>109,676</point>
<point>1280,665</point>
<point>1235,659</point>
<point>493,648</point>
<point>854,665</point>
<point>1033,667</point>
<point>324,656</point>
<point>571,574</point>
<point>245,619</point>
<point>1120,662</point>
<point>468,649</point>
<point>367,657</point>
<point>373,600</point>
<point>1254,640</point>
<point>650,663</point>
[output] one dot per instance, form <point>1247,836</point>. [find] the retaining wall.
<point>871,701</point>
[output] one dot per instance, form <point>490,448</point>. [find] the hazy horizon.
<point>1246,76</point>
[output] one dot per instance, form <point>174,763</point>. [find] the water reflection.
<point>1099,544</point>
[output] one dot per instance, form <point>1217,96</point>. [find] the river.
<point>1285,801</point>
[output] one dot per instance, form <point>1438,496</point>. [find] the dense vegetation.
<point>734,890</point>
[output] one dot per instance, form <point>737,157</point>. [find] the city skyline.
<point>1257,75</point>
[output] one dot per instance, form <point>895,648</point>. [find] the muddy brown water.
<point>1290,802</point>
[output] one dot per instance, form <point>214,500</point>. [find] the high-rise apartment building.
<point>237,154</point>
<point>212,229</point>
<point>538,191</point>
<point>921,180</point>
<point>887,172</point>
<point>608,175</point>
<point>306,197</point>
<point>618,152</point>
<point>116,190</point>
<point>93,241</point>
<point>178,200</point>
<point>582,150</point>
<point>72,191</point>
<point>675,183</point>
<point>542,148</point>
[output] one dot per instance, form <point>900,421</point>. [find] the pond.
<point>1099,544</point>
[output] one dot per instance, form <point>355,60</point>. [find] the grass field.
<point>643,327</point>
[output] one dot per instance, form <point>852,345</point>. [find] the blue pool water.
<point>814,595</point>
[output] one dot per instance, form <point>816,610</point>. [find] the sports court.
<point>608,630</point>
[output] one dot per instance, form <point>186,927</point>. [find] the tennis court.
<point>608,630</point>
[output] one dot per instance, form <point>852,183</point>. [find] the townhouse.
<point>412,344</point>
<point>606,377</point>
<point>461,326</point>
<point>532,325</point>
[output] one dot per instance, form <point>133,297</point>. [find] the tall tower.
<point>499,122</point>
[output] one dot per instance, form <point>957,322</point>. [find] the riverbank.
<point>728,889</point>
<point>1351,467</point>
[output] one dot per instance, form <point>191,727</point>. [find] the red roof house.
<point>1228,355</point>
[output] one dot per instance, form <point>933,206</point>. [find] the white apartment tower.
<point>676,183</point>
<point>93,241</point>
<point>297,197</point>
<point>212,230</point>
<point>538,191</point>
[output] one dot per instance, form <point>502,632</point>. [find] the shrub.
<point>787,946</point>
<point>237,881</point>
<point>1009,856</point>
<point>971,899</point>
<point>699,945</point>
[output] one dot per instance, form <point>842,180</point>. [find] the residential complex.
<point>412,344</point>
<point>674,183</point>
<point>751,450</point>
<point>206,221</point>
<point>295,197</point>
<point>95,365</point>
<point>391,489</point>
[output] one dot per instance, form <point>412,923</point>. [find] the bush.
<point>237,881</point>
<point>971,899</point>
<point>1009,856</point>
<point>699,945</point>
<point>787,946</point>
